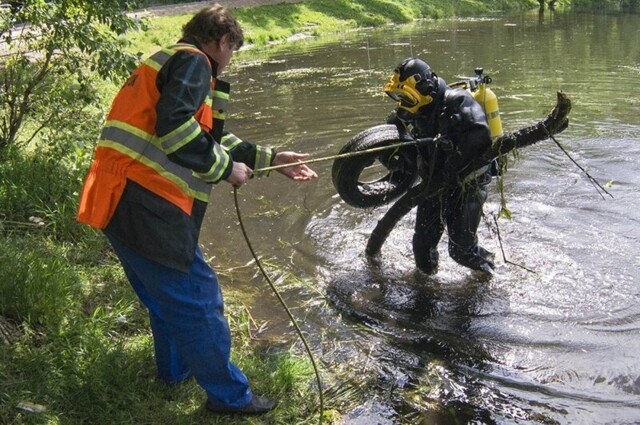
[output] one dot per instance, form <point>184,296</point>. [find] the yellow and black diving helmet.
<point>413,85</point>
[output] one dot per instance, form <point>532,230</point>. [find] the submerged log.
<point>554,123</point>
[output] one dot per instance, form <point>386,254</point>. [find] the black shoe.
<point>257,406</point>
<point>487,255</point>
<point>476,258</point>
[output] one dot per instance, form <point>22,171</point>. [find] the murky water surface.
<point>551,339</point>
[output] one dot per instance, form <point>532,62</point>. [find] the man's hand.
<point>240,174</point>
<point>295,172</point>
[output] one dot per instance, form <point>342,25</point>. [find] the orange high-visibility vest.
<point>129,148</point>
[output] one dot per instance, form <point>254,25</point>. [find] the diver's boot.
<point>474,257</point>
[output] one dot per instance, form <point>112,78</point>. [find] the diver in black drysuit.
<point>428,108</point>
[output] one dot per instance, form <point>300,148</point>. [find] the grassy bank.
<point>315,17</point>
<point>75,346</point>
<point>278,22</point>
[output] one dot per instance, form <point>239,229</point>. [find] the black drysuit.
<point>449,163</point>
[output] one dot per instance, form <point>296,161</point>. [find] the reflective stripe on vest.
<point>220,104</point>
<point>136,144</point>
<point>230,141</point>
<point>263,155</point>
<point>263,159</point>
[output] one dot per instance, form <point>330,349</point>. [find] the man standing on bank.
<point>161,149</point>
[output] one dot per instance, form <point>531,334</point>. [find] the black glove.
<point>424,142</point>
<point>444,143</point>
<point>441,142</point>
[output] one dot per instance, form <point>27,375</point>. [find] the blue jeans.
<point>190,333</point>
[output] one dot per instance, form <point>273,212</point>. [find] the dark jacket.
<point>146,222</point>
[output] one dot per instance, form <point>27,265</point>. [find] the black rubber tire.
<point>400,163</point>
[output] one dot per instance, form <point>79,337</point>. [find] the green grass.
<point>83,349</point>
<point>80,343</point>
<point>159,32</point>
<point>277,22</point>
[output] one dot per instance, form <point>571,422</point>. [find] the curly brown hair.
<point>211,23</point>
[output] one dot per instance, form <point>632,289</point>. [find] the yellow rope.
<point>338,156</point>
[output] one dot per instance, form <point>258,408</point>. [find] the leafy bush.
<point>65,44</point>
<point>606,5</point>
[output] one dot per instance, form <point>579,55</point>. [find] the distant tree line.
<point>607,5</point>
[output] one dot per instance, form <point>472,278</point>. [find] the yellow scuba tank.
<point>489,102</point>
<point>486,98</point>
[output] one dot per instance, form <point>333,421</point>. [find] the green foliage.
<point>84,373</point>
<point>159,32</point>
<point>279,21</point>
<point>363,13</point>
<point>64,46</point>
<point>37,286</point>
<point>38,193</point>
<point>606,5</point>
<point>285,377</point>
<point>98,368</point>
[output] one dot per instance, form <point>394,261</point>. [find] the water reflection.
<point>414,310</point>
<point>556,345</point>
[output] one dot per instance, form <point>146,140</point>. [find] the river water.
<point>552,337</point>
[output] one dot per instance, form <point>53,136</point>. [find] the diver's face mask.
<point>407,94</point>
